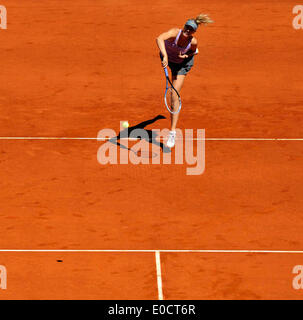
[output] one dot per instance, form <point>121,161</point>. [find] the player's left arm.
<point>193,48</point>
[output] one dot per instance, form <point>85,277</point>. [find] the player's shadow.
<point>141,133</point>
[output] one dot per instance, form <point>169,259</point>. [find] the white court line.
<point>135,139</point>
<point>149,251</point>
<point>159,275</point>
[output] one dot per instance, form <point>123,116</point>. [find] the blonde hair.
<point>203,19</point>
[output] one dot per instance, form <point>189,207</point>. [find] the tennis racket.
<point>172,98</point>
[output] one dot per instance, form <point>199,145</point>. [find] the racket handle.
<point>166,72</point>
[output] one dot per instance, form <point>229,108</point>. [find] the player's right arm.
<point>169,35</point>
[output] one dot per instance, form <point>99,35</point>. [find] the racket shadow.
<point>149,136</point>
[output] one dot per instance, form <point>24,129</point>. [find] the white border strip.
<point>159,275</point>
<point>135,139</point>
<point>148,251</point>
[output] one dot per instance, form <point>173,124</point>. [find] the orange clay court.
<point>71,228</point>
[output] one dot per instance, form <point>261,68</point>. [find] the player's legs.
<point>178,76</point>
<point>177,81</point>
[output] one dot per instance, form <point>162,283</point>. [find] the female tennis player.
<point>177,50</point>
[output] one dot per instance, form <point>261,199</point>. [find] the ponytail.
<point>203,19</point>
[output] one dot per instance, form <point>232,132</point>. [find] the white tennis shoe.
<point>171,139</point>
